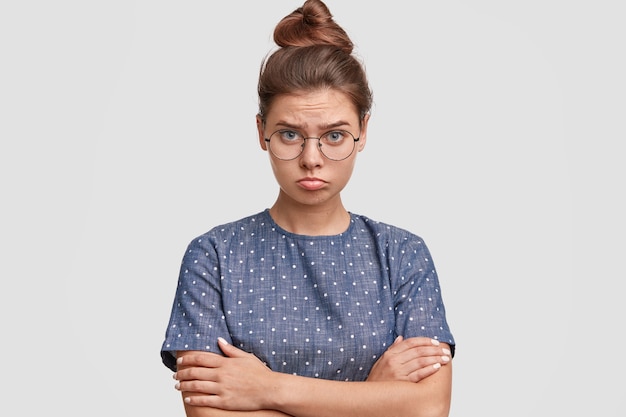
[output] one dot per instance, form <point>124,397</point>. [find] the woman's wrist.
<point>280,390</point>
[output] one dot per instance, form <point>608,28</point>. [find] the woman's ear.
<point>260,127</point>
<point>363,135</point>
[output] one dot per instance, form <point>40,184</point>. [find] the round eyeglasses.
<point>335,145</point>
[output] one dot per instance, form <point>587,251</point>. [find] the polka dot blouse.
<point>317,306</point>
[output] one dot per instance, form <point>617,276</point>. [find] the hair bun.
<point>310,25</point>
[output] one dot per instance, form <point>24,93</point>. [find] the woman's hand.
<point>411,359</point>
<point>237,381</point>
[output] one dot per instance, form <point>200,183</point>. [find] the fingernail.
<point>177,386</point>
<point>446,352</point>
<point>434,342</point>
<point>397,338</point>
<point>174,376</point>
<point>437,366</point>
<point>179,361</point>
<point>222,340</point>
<point>445,358</point>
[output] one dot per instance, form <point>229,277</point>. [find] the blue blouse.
<point>317,306</point>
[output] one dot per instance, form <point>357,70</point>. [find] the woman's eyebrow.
<point>282,123</point>
<point>339,123</point>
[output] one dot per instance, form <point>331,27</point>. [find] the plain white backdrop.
<point>127,128</point>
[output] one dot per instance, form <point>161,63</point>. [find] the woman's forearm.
<point>309,397</point>
<point>204,411</point>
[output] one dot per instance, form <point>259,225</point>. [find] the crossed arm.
<point>413,378</point>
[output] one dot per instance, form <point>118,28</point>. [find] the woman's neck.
<point>318,220</point>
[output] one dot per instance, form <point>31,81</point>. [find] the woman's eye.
<point>289,135</point>
<point>334,137</point>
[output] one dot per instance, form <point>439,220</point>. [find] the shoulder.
<point>238,229</point>
<point>383,231</point>
<point>392,240</point>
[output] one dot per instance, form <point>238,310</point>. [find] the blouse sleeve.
<point>196,319</point>
<point>418,302</point>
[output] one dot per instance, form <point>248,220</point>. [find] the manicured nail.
<point>177,386</point>
<point>222,340</point>
<point>445,358</point>
<point>179,361</point>
<point>446,352</point>
<point>434,342</point>
<point>437,366</point>
<point>397,338</point>
<point>174,376</point>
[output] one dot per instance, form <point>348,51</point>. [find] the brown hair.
<point>315,53</point>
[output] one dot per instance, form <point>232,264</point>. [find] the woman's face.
<point>311,178</point>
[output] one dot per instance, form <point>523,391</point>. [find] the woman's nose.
<point>311,154</point>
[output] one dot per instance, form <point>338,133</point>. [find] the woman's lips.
<point>311,184</point>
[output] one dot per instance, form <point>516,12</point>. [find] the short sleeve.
<point>196,319</point>
<point>418,302</point>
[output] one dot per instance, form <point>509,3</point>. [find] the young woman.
<point>305,308</point>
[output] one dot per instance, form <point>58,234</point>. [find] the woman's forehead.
<point>318,107</point>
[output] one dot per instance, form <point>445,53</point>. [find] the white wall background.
<point>127,128</point>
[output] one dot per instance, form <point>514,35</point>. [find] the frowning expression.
<point>311,177</point>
